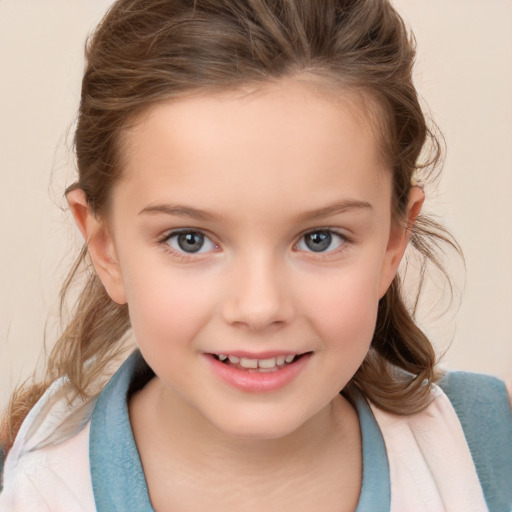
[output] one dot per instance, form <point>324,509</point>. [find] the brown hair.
<point>148,51</point>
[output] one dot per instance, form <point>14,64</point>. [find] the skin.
<point>268,167</point>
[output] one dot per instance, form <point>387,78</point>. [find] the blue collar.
<point>118,479</point>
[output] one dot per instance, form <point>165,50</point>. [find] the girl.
<point>247,189</point>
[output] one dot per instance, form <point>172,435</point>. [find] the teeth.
<point>267,363</point>
<point>245,362</point>
<point>270,364</point>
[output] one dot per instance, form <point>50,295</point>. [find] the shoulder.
<point>44,471</point>
<point>50,479</point>
<point>458,450</point>
<point>475,390</point>
<point>482,405</point>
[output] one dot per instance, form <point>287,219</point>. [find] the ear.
<point>399,238</point>
<point>99,244</point>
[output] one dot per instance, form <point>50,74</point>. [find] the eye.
<point>190,242</point>
<point>322,240</point>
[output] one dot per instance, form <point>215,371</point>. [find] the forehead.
<point>274,143</point>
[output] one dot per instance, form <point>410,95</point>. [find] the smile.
<point>267,373</point>
<point>271,364</point>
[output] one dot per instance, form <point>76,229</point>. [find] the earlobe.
<point>399,239</point>
<point>99,244</point>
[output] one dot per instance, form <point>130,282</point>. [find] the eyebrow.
<point>203,215</point>
<point>335,209</point>
<point>180,211</point>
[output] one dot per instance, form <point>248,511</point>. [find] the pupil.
<point>191,242</point>
<point>319,240</point>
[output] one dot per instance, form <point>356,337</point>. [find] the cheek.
<point>165,305</point>
<point>344,309</point>
<point>343,318</point>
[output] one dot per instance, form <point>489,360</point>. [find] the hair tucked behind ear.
<point>150,51</point>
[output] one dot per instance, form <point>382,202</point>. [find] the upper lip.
<point>259,355</point>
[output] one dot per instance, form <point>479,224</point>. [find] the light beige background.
<point>464,72</point>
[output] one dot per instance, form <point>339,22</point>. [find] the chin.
<point>259,427</point>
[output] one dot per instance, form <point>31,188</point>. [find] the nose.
<point>259,297</point>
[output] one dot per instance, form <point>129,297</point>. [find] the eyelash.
<point>187,256</point>
<point>343,241</point>
<point>183,255</point>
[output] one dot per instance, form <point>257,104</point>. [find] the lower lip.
<point>258,382</point>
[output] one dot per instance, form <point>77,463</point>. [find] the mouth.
<point>266,365</point>
<point>259,373</point>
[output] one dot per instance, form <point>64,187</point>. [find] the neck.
<point>320,458</point>
<point>188,436</point>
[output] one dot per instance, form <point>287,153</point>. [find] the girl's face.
<point>251,237</point>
